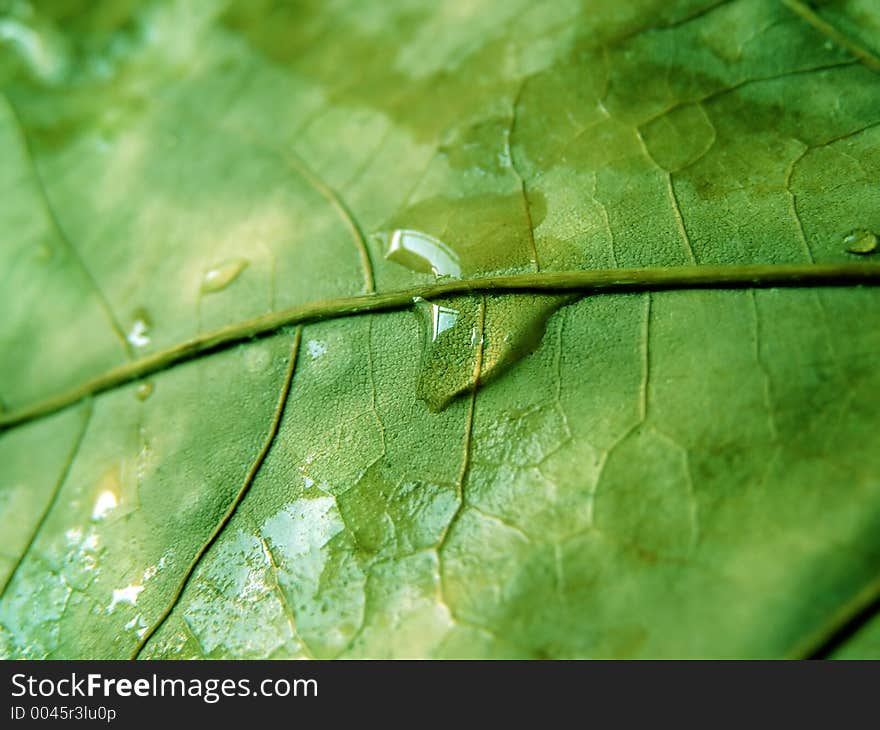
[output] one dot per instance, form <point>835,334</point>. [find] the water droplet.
<point>448,359</point>
<point>438,317</point>
<point>219,277</point>
<point>421,252</point>
<point>860,241</point>
<point>129,595</point>
<point>452,337</point>
<point>137,623</point>
<point>143,390</point>
<point>460,237</point>
<point>105,503</point>
<point>316,348</point>
<point>139,335</point>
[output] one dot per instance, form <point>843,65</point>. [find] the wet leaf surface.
<point>657,474</point>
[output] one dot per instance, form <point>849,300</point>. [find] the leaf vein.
<point>233,507</point>
<point>53,499</point>
<point>597,281</point>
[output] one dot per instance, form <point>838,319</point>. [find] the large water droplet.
<point>139,333</point>
<point>421,252</point>
<point>220,276</point>
<point>454,334</point>
<point>448,357</point>
<point>860,241</point>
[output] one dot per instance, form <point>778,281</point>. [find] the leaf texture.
<point>653,474</point>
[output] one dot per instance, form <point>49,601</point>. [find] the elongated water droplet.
<point>421,252</point>
<point>143,390</point>
<point>454,334</point>
<point>448,358</point>
<point>860,241</point>
<point>219,277</point>
<point>139,333</point>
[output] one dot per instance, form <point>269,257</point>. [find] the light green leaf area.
<point>655,474</point>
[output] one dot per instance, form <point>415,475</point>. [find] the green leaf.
<point>505,473</point>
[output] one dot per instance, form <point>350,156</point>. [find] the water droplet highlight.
<point>219,277</point>
<point>860,241</point>
<point>106,502</point>
<point>440,318</point>
<point>143,390</point>
<point>424,253</point>
<point>316,348</point>
<point>129,595</point>
<point>139,334</point>
<point>444,319</point>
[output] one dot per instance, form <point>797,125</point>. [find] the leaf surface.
<point>655,474</point>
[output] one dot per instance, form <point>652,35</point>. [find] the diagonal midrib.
<point>76,257</point>
<point>601,281</point>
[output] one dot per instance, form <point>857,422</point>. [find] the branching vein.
<point>103,302</point>
<point>243,490</point>
<point>468,426</point>
<point>344,212</point>
<point>53,499</point>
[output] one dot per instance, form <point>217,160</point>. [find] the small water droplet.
<point>219,277</point>
<point>448,359</point>
<point>424,253</point>
<point>256,358</point>
<point>106,502</point>
<point>144,390</point>
<point>139,334</point>
<point>860,241</point>
<point>316,348</point>
<point>128,595</point>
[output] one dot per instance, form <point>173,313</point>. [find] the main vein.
<point>243,490</point>
<point>867,57</point>
<point>585,282</point>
